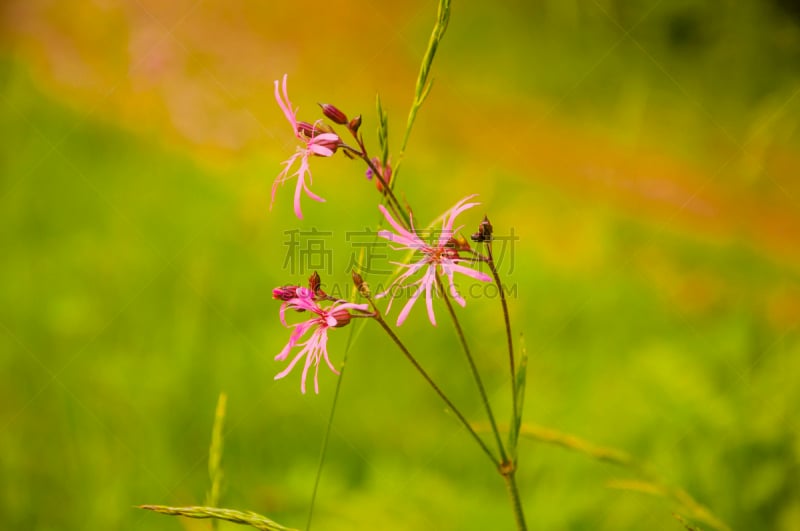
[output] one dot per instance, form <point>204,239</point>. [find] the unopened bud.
<point>361,286</point>
<point>314,284</point>
<point>305,129</point>
<point>484,233</point>
<point>358,281</point>
<point>385,173</point>
<point>354,124</point>
<point>333,113</point>
<point>311,130</point>
<point>340,318</point>
<point>284,293</point>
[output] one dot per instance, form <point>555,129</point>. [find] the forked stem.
<point>379,319</point>
<point>476,375</point>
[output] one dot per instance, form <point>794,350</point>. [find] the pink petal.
<point>305,371</point>
<point>311,194</point>
<point>454,292</point>
<point>477,275</point>
<point>282,176</point>
<point>324,348</point>
<point>289,367</point>
<point>447,225</point>
<point>320,150</point>
<point>352,306</point>
<point>299,187</point>
<point>430,277</point>
<point>286,106</point>
<point>407,308</point>
<point>409,243</point>
<point>396,226</point>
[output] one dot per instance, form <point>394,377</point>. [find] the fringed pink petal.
<point>477,275</point>
<point>430,279</point>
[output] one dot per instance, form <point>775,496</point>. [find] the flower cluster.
<point>315,346</point>
<point>444,255</point>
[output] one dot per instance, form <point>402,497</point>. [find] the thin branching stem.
<point>379,319</point>
<point>473,368</point>
<point>394,203</point>
<point>507,320</point>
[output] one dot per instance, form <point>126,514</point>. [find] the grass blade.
<point>215,453</point>
<point>383,131</point>
<point>229,515</point>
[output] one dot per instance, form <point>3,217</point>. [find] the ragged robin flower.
<point>439,257</point>
<point>315,330</point>
<point>317,139</point>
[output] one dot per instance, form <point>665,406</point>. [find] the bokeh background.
<point>644,152</point>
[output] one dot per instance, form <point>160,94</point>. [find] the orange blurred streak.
<point>199,75</point>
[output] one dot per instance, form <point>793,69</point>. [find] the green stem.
<point>509,339</point>
<point>511,485</point>
<point>433,385</point>
<point>388,192</point>
<point>474,368</point>
<point>423,86</point>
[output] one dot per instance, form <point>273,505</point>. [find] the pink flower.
<point>315,142</point>
<point>439,257</point>
<point>315,347</point>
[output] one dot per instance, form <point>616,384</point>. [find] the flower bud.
<point>306,129</point>
<point>485,231</point>
<point>314,284</point>
<point>358,281</point>
<point>339,318</point>
<point>385,173</point>
<point>361,286</point>
<point>333,113</point>
<point>284,293</point>
<point>311,130</point>
<point>354,124</point>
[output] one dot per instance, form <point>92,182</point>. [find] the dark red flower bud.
<point>333,114</point>
<point>311,130</point>
<point>354,124</point>
<point>284,293</point>
<point>357,280</point>
<point>359,283</point>
<point>306,129</point>
<point>314,284</point>
<point>342,318</point>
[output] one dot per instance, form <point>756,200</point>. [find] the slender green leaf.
<point>383,131</point>
<point>215,473</point>
<point>424,83</point>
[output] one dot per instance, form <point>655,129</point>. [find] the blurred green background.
<point>645,153</point>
